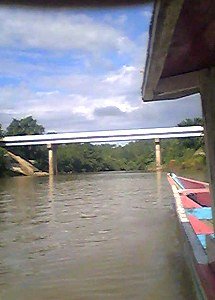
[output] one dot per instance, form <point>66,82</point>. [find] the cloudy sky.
<point>79,70</point>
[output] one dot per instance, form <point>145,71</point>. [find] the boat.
<point>176,69</point>
<point>193,209</point>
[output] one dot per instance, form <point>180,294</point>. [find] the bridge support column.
<point>158,154</point>
<point>207,90</point>
<point>52,149</point>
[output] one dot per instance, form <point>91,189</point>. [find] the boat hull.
<point>193,231</point>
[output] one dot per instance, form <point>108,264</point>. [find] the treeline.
<point>185,153</point>
<point>106,157</point>
<point>139,155</point>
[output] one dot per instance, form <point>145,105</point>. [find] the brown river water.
<point>92,236</point>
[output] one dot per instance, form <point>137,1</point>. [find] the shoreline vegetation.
<point>177,154</point>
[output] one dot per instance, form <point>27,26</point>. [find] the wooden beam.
<point>166,13</point>
<point>207,91</point>
<point>177,86</point>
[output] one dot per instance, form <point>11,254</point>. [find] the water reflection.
<point>159,189</point>
<point>92,236</point>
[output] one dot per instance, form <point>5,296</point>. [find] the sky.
<point>80,70</point>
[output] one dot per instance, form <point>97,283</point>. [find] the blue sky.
<point>79,70</point>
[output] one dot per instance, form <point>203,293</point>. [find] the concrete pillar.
<point>52,149</point>
<point>207,91</point>
<point>158,154</point>
<point>159,187</point>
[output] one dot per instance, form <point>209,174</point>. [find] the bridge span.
<point>54,139</point>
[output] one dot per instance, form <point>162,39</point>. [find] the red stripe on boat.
<point>202,196</point>
<point>192,184</point>
<point>199,226</point>
<point>188,203</point>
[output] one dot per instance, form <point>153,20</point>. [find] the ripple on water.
<point>91,236</point>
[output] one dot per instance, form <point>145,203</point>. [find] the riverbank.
<point>176,155</point>
<point>173,167</point>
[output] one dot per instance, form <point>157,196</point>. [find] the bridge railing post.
<point>52,153</point>
<point>158,154</point>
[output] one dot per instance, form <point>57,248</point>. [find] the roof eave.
<point>164,20</point>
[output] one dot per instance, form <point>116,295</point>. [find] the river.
<point>90,236</point>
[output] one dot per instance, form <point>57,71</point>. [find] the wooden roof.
<point>182,44</point>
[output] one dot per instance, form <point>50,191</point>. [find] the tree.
<point>2,156</point>
<point>29,126</point>
<point>184,152</point>
<point>191,122</point>
<point>2,162</point>
<point>1,131</point>
<point>195,142</point>
<point>95,158</point>
<point>25,126</point>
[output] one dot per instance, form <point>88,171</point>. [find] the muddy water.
<point>96,236</point>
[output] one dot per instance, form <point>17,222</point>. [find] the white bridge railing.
<point>103,136</point>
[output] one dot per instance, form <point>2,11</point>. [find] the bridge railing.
<point>103,136</point>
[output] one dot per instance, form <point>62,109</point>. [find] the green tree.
<point>94,158</point>
<point>3,168</point>
<point>29,126</point>
<point>195,142</point>
<point>25,126</point>
<point>184,152</point>
<point>2,156</point>
<point>1,131</point>
<point>191,122</point>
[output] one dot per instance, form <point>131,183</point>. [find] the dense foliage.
<point>25,126</point>
<point>186,153</point>
<point>139,155</point>
<point>1,131</point>
<point>28,126</point>
<point>89,158</point>
<point>2,157</point>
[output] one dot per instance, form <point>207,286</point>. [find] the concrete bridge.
<point>54,139</point>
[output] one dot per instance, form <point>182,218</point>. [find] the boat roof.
<point>182,44</point>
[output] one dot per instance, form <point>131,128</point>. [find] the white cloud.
<point>146,14</point>
<point>119,21</point>
<point>124,82</point>
<point>58,31</point>
<point>62,96</point>
<point>124,75</point>
<point>86,95</point>
<point>97,109</point>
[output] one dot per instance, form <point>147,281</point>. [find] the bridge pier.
<point>158,154</point>
<point>52,150</point>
